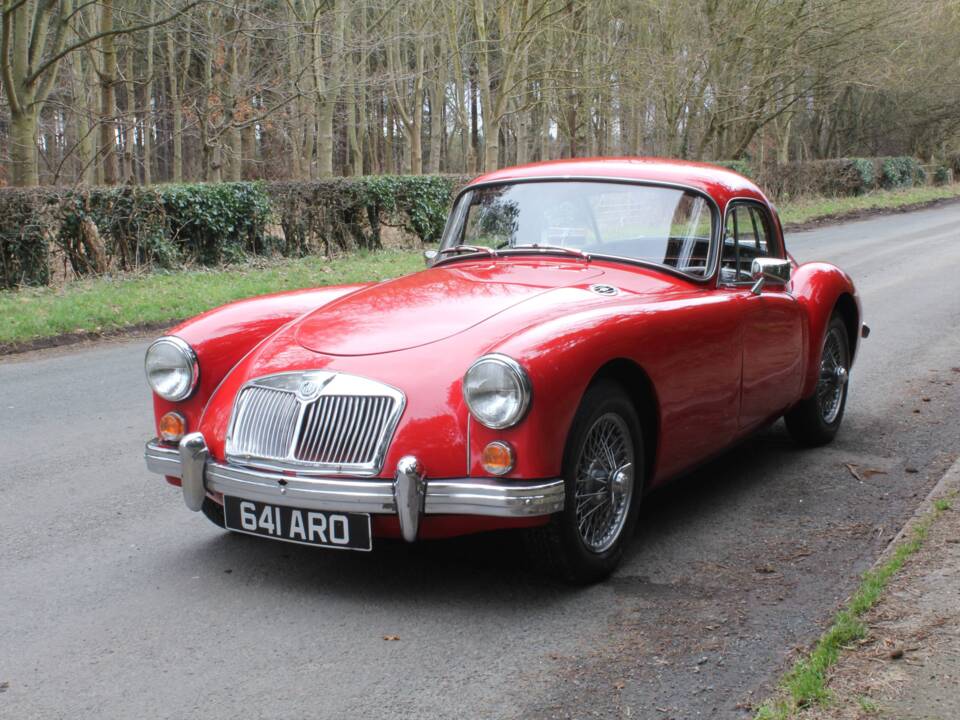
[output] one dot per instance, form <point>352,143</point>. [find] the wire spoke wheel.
<point>833,376</point>
<point>604,482</point>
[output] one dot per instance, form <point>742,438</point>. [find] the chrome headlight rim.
<point>190,362</point>
<point>523,382</point>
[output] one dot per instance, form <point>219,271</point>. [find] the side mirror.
<point>769,271</point>
<point>429,256</point>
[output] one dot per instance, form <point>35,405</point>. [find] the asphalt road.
<point>116,602</point>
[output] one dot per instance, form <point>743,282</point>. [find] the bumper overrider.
<point>409,496</point>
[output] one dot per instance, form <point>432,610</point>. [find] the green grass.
<point>804,210</point>
<point>105,304</point>
<point>805,684</point>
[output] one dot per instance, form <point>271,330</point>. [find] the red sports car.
<point>586,331</point>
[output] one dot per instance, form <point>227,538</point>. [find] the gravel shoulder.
<point>908,665</point>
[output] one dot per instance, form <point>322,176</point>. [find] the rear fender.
<point>820,288</point>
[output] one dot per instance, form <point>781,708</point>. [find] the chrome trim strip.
<point>497,498</point>
<point>452,496</point>
<point>769,215</point>
<point>162,459</point>
<point>365,496</point>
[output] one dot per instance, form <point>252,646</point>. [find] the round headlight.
<point>171,367</point>
<point>497,391</point>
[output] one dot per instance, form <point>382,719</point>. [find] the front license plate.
<point>344,531</point>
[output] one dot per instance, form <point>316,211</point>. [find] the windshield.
<point>661,225</point>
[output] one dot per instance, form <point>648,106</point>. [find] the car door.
<point>771,320</point>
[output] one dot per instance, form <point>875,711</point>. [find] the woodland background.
<point>134,92</point>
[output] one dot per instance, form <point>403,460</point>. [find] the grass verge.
<point>808,210</point>
<point>109,304</point>
<point>105,304</point>
<point>805,685</point>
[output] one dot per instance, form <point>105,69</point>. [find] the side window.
<point>745,237</point>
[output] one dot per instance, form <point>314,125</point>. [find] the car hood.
<point>430,306</point>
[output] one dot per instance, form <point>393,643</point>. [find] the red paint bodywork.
<point>718,362</point>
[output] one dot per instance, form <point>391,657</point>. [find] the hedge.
<point>98,230</point>
<point>835,177</point>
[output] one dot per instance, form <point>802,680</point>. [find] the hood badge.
<point>608,290</point>
<point>311,386</point>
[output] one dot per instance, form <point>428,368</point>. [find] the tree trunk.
<point>233,145</point>
<point>82,81</point>
<point>350,110</point>
<point>328,92</point>
<point>176,110</point>
<point>147,114</point>
<point>437,102</point>
<point>474,124</point>
<point>23,149</point>
<point>129,116</point>
<point>108,101</point>
<point>248,147</point>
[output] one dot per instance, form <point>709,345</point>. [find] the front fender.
<point>685,347</point>
<point>223,336</point>
<point>820,288</point>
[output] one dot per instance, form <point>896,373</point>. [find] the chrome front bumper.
<point>409,495</point>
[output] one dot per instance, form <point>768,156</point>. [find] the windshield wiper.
<point>558,248</point>
<point>468,248</point>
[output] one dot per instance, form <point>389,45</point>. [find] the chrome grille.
<point>338,429</point>
<point>266,422</point>
<point>314,423</point>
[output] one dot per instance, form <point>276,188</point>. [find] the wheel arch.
<point>847,308</point>
<point>822,290</point>
<point>635,380</point>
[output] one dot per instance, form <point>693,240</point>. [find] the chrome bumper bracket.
<point>193,461</point>
<point>408,495</point>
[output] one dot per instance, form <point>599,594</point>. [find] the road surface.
<point>116,602</point>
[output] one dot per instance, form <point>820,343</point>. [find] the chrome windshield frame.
<point>455,222</point>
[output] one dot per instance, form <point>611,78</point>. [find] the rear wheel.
<point>815,420</point>
<point>603,478</point>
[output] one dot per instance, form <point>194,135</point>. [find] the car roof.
<point>718,182</point>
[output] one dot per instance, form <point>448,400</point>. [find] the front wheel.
<point>603,471</point>
<point>815,420</point>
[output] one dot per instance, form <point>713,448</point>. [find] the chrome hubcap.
<point>833,377</point>
<point>604,482</point>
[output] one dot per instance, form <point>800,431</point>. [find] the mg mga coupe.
<point>586,331</point>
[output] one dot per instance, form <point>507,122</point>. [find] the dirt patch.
<point>83,336</point>
<point>864,213</point>
<point>908,665</point>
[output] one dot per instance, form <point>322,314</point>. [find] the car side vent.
<point>605,290</point>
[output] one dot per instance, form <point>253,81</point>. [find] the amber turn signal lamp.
<point>173,426</point>
<point>498,458</point>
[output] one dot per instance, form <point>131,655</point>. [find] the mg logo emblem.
<point>308,390</point>
<point>312,384</point>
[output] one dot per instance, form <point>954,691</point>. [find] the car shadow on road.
<point>488,568</point>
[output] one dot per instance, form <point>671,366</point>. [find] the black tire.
<point>559,547</point>
<point>213,512</point>
<point>813,422</point>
